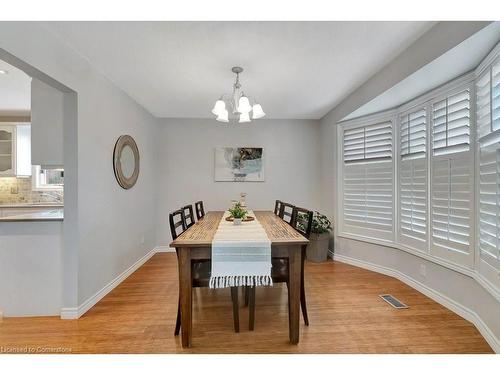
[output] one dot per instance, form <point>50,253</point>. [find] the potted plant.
<point>238,213</point>
<point>317,249</point>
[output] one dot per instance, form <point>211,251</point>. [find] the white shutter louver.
<point>489,203</point>
<point>451,124</point>
<point>451,208</point>
<point>413,179</point>
<point>488,130</point>
<point>412,134</point>
<point>495,97</point>
<point>368,181</point>
<point>413,202</point>
<point>368,196</point>
<point>371,142</point>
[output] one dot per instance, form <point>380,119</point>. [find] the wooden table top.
<point>202,233</point>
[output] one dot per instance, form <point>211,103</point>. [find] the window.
<point>446,174</point>
<point>413,178</point>
<point>47,179</point>
<point>488,130</point>
<point>451,124</point>
<point>368,180</point>
<point>452,179</point>
<point>368,143</point>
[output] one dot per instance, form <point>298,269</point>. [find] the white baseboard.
<point>440,298</point>
<point>76,312</point>
<point>69,313</point>
<point>164,249</point>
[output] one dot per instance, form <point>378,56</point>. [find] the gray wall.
<point>107,223</point>
<point>186,165</point>
<point>30,268</point>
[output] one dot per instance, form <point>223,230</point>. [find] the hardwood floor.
<point>345,312</point>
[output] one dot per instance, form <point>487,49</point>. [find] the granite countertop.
<point>30,205</point>
<point>46,215</point>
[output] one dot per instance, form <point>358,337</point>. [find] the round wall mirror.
<point>126,161</point>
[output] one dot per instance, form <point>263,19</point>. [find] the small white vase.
<point>237,221</point>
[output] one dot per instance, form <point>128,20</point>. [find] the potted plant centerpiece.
<point>317,249</point>
<point>238,213</point>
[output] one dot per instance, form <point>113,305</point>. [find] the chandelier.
<point>237,102</point>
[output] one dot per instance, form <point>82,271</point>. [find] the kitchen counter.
<point>31,205</point>
<point>45,215</point>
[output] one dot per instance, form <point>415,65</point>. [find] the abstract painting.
<point>239,164</point>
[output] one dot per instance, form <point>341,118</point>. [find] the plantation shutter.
<point>413,180</point>
<point>451,124</point>
<point>452,188</point>
<point>368,181</point>
<point>488,130</point>
<point>412,134</point>
<point>371,142</point>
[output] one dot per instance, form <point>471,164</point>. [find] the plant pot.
<point>317,249</point>
<point>237,221</point>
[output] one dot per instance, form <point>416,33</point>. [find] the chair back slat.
<point>176,220</point>
<point>302,221</point>
<point>286,212</point>
<point>188,215</point>
<point>277,207</point>
<point>200,211</point>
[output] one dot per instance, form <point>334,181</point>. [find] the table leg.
<point>185,287</point>
<point>294,293</point>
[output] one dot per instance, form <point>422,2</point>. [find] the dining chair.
<point>200,211</point>
<point>200,270</point>
<point>277,207</point>
<point>302,223</point>
<point>176,220</point>
<point>286,212</point>
<point>188,215</point>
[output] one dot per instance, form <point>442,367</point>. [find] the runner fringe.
<point>229,281</point>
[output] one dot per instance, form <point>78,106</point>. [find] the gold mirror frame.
<point>121,143</point>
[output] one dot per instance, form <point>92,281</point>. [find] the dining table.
<point>196,244</point>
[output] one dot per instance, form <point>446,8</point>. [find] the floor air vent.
<point>393,301</point>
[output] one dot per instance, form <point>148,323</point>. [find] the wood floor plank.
<point>346,316</point>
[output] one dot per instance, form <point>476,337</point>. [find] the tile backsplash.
<point>18,190</point>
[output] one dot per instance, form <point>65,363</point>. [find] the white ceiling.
<point>294,69</point>
<point>457,61</point>
<point>15,91</point>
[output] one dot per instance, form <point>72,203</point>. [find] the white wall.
<point>30,268</point>
<point>107,222</point>
<point>186,165</point>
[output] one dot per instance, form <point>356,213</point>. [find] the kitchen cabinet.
<point>23,150</point>
<point>7,149</point>
<point>15,150</point>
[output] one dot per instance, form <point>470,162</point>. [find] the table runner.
<point>241,254</point>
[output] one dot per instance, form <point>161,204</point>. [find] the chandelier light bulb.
<point>244,105</point>
<point>257,112</point>
<point>219,107</point>
<point>236,104</point>
<point>244,117</point>
<point>223,116</point>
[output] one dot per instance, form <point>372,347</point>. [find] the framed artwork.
<point>239,164</point>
